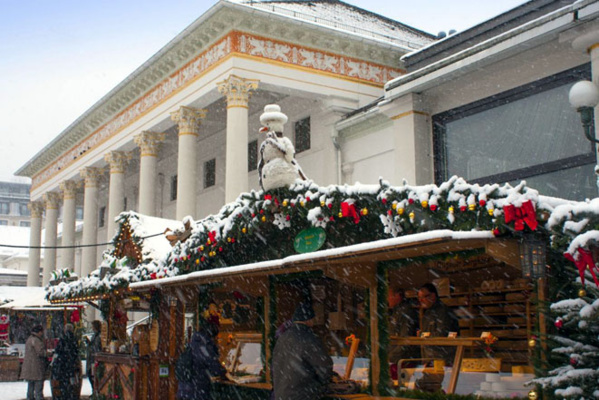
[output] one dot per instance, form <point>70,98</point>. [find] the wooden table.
<point>459,343</point>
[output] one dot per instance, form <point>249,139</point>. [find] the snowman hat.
<point>273,117</point>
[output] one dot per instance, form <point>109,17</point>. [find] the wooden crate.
<point>481,365</point>
<point>9,368</point>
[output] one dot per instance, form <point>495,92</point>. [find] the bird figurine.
<point>277,166</point>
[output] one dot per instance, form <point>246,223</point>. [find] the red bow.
<point>584,258</point>
<point>212,237</point>
<point>525,214</point>
<point>349,210</point>
<point>267,197</point>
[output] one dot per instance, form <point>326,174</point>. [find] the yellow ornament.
<point>424,204</point>
<point>412,215</point>
<point>400,211</point>
<point>229,239</point>
<point>263,218</point>
<point>582,293</point>
<point>364,211</point>
<point>532,343</point>
<point>243,230</point>
<point>197,261</point>
<point>451,210</point>
<point>322,203</point>
<point>340,215</point>
<point>209,241</point>
<point>472,207</point>
<point>533,395</point>
<point>394,206</point>
<point>285,203</point>
<point>302,203</point>
<point>491,211</point>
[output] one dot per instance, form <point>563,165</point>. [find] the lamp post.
<point>584,96</point>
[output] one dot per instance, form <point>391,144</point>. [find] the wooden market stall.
<point>474,271</point>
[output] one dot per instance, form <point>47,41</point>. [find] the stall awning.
<point>421,244</point>
<point>24,297</point>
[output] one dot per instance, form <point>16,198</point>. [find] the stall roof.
<point>427,243</point>
<point>23,297</point>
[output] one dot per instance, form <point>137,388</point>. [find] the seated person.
<point>403,322</point>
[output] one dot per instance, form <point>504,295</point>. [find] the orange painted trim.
<point>411,112</point>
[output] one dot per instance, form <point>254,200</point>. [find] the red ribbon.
<point>585,258</point>
<point>522,215</point>
<point>267,197</point>
<point>349,210</point>
<point>212,237</point>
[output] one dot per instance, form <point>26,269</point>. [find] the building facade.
<point>179,137</point>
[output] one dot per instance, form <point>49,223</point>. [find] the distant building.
<point>14,198</point>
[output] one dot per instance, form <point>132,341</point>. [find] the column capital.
<point>188,119</point>
<point>117,160</point>
<point>51,200</point>
<point>237,90</point>
<point>69,189</point>
<point>148,142</point>
<point>36,208</point>
<point>91,175</point>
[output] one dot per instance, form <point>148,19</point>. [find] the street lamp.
<point>584,96</point>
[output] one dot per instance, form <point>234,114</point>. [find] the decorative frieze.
<point>237,90</point>
<point>36,208</point>
<point>149,142</point>
<point>91,175</point>
<point>68,189</point>
<point>188,119</point>
<point>51,200</point>
<point>117,160</point>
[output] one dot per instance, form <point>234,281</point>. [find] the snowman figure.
<point>277,167</point>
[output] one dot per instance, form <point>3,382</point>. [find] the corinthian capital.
<point>117,161</point>
<point>51,200</point>
<point>68,189</point>
<point>237,90</point>
<point>188,119</point>
<point>36,208</point>
<point>148,142</point>
<point>91,175</point>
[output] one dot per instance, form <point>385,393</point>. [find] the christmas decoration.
<point>559,323</point>
<point>582,293</point>
<point>533,395</point>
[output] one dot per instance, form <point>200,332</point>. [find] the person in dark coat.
<point>438,320</point>
<point>66,364</point>
<point>206,364</point>
<point>34,364</point>
<point>93,346</point>
<point>301,366</point>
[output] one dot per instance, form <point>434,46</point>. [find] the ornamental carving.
<point>117,160</point>
<point>91,175</point>
<point>36,208</point>
<point>69,189</point>
<point>188,119</point>
<point>149,142</point>
<point>51,200</point>
<point>237,90</point>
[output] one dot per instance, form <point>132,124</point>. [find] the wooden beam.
<point>356,275</point>
<point>375,361</point>
<point>506,250</point>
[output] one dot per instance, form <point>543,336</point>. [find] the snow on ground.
<point>18,390</point>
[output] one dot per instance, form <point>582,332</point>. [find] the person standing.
<point>301,366</point>
<point>438,320</point>
<point>34,364</point>
<point>206,363</point>
<point>66,365</point>
<point>93,346</point>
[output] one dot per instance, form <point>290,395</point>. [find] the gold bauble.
<point>532,343</point>
<point>412,215</point>
<point>472,207</point>
<point>400,211</point>
<point>302,203</point>
<point>582,293</point>
<point>285,203</point>
<point>229,239</point>
<point>491,211</point>
<point>394,206</point>
<point>364,211</point>
<point>263,219</point>
<point>533,395</point>
<point>451,209</point>
<point>424,204</point>
<point>322,203</point>
<point>340,215</point>
<point>244,230</point>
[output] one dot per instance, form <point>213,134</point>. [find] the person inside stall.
<point>403,322</point>
<point>301,366</point>
<point>438,320</point>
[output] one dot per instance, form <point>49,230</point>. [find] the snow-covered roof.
<point>346,17</point>
<point>15,236</point>
<point>22,295</point>
<point>10,271</point>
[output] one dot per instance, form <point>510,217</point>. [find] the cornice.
<point>221,19</point>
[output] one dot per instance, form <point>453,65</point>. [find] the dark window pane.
<point>173,187</point>
<point>301,130</point>
<point>102,217</point>
<point>25,223</point>
<point>4,208</point>
<point>253,155</point>
<point>23,209</point>
<point>210,173</point>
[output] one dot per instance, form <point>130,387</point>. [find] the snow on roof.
<point>155,244</point>
<point>15,236</point>
<point>346,17</point>
<point>10,271</point>
<point>21,293</point>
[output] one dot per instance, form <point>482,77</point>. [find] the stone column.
<point>35,241</point>
<point>69,192</point>
<point>91,175</point>
<point>51,202</point>
<point>116,192</point>
<point>188,120</point>
<point>237,90</point>
<point>148,143</point>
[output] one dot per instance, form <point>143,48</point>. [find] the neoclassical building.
<point>179,136</point>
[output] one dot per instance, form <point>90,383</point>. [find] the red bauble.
<point>482,203</point>
<point>433,207</point>
<point>463,208</point>
<point>330,205</point>
<point>411,201</point>
<point>496,232</point>
<point>389,212</point>
<point>287,217</point>
<point>573,361</point>
<point>308,199</point>
<point>384,201</point>
<point>331,218</point>
<point>559,323</point>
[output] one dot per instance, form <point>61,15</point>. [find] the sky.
<point>58,58</point>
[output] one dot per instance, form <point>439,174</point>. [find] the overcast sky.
<point>57,58</point>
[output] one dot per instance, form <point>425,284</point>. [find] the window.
<point>79,213</point>
<point>173,188</point>
<point>209,173</point>
<point>4,208</point>
<point>252,155</point>
<point>301,130</point>
<point>125,204</point>
<point>102,217</point>
<point>3,222</point>
<point>25,223</point>
<point>530,133</point>
<point>24,210</point>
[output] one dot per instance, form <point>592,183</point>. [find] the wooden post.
<point>542,298</point>
<point>375,361</point>
<point>172,347</point>
<point>267,323</point>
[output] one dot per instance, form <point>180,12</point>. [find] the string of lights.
<point>77,245</point>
